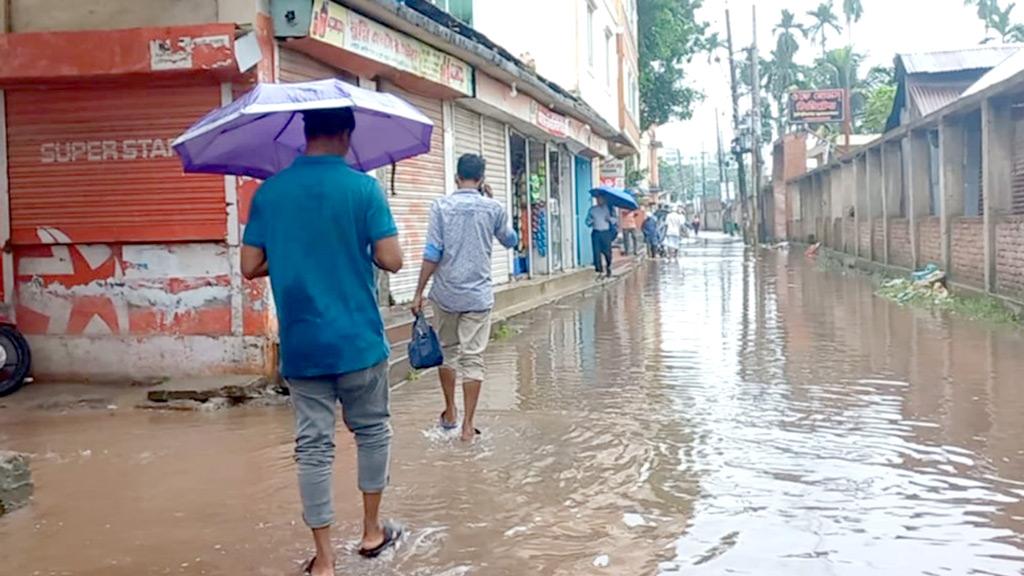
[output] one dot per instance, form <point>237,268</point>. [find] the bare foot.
<point>451,416</point>
<point>322,567</point>
<point>372,538</point>
<point>468,433</point>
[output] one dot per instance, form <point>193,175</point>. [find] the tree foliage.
<point>878,106</point>
<point>671,36</point>
<point>999,24</point>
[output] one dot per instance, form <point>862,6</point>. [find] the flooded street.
<point>719,415</point>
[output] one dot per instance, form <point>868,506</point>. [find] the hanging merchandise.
<point>540,229</point>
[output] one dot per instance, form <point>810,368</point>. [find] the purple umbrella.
<point>261,133</point>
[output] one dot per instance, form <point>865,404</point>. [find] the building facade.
<point>118,264</point>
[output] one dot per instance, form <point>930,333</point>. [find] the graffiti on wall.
<point>96,289</point>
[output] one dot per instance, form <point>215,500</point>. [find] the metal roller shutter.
<point>496,153</point>
<point>468,135</point>
<point>96,165</point>
<point>418,182</point>
<point>298,67</point>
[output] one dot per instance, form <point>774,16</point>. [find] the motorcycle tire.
<point>18,360</point>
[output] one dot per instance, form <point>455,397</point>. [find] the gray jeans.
<point>366,409</point>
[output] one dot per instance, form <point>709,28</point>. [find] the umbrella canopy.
<point>261,133</point>
<point>618,197</point>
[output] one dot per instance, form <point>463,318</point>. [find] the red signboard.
<point>817,106</point>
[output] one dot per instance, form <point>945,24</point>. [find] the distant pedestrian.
<point>317,229</point>
<point>631,221</point>
<point>460,237</point>
<point>651,239</point>
<point>696,225</point>
<point>602,222</point>
<point>674,224</point>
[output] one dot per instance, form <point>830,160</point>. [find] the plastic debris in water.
<point>602,561</point>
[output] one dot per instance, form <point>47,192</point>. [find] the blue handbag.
<point>424,347</point>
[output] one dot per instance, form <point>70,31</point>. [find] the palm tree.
<point>824,19</point>
<point>854,11</point>
<point>986,9</point>
<point>999,22</point>
<point>786,44</point>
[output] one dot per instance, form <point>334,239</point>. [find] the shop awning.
<point>221,51</point>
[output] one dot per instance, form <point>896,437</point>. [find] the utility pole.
<point>682,180</point>
<point>722,183</point>
<point>755,154</point>
<point>737,150</point>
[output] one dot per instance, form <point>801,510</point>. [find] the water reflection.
<point>720,415</point>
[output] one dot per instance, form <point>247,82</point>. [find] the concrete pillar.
<point>916,163</point>
<point>892,184</point>
<point>997,175</point>
<point>861,202</point>
<point>849,202</point>
<point>793,212</point>
<point>874,196</point>
<point>827,180</point>
<point>951,182</point>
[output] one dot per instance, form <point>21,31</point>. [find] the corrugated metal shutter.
<point>298,67</point>
<point>467,132</point>
<point>1017,201</point>
<point>418,182</point>
<point>496,154</point>
<point>95,165</point>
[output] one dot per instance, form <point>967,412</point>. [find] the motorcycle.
<point>15,357</point>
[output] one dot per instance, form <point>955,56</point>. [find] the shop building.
<point>120,265</point>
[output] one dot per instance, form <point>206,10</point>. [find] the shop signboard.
<point>551,122</point>
<point>342,28</point>
<point>817,106</point>
<point>613,173</point>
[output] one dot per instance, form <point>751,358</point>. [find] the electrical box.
<point>291,17</point>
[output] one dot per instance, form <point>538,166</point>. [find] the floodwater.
<point>720,415</point>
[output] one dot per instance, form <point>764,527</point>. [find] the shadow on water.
<point>721,415</point>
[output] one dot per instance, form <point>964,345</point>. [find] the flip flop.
<point>446,425</point>
<point>308,568</point>
<point>391,536</point>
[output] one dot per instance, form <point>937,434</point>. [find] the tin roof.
<point>975,58</point>
<point>1007,69</point>
<point>929,98</point>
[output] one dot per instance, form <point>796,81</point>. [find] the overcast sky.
<point>888,27</point>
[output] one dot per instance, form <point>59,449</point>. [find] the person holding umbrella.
<point>317,227</point>
<point>602,222</point>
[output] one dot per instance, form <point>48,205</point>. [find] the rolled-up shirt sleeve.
<point>379,222</point>
<point>503,230</point>
<point>434,249</point>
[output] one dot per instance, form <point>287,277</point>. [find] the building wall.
<point>557,43</point>
<point>850,235</point>
<point>38,15</point>
<point>929,239</point>
<point>865,238</point>
<point>968,252</point>
<point>900,253</point>
<point>878,239</point>
<point>1010,257</point>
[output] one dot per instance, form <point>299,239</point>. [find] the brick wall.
<point>929,238</point>
<point>849,235</point>
<point>879,239</point>
<point>1010,257</point>
<point>865,239</point>
<point>968,246</point>
<point>900,253</point>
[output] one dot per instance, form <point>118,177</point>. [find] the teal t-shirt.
<point>317,221</point>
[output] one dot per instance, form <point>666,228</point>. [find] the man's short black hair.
<point>328,122</point>
<point>472,167</point>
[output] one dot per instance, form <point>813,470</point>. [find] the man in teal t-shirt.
<point>317,229</point>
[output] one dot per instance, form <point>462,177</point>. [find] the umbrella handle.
<point>394,168</point>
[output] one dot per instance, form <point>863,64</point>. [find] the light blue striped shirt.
<point>460,238</point>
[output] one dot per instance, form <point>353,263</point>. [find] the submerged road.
<point>723,414</point>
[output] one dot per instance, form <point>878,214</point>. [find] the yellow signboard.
<point>342,28</point>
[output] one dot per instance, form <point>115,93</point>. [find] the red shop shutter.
<point>95,165</point>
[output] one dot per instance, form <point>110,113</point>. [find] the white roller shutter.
<point>496,153</point>
<point>418,182</point>
<point>294,66</point>
<point>467,132</point>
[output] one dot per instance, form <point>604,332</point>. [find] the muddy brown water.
<point>722,415</point>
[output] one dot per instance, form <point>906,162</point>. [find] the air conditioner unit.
<point>291,18</point>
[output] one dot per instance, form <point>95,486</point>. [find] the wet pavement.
<point>719,415</point>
